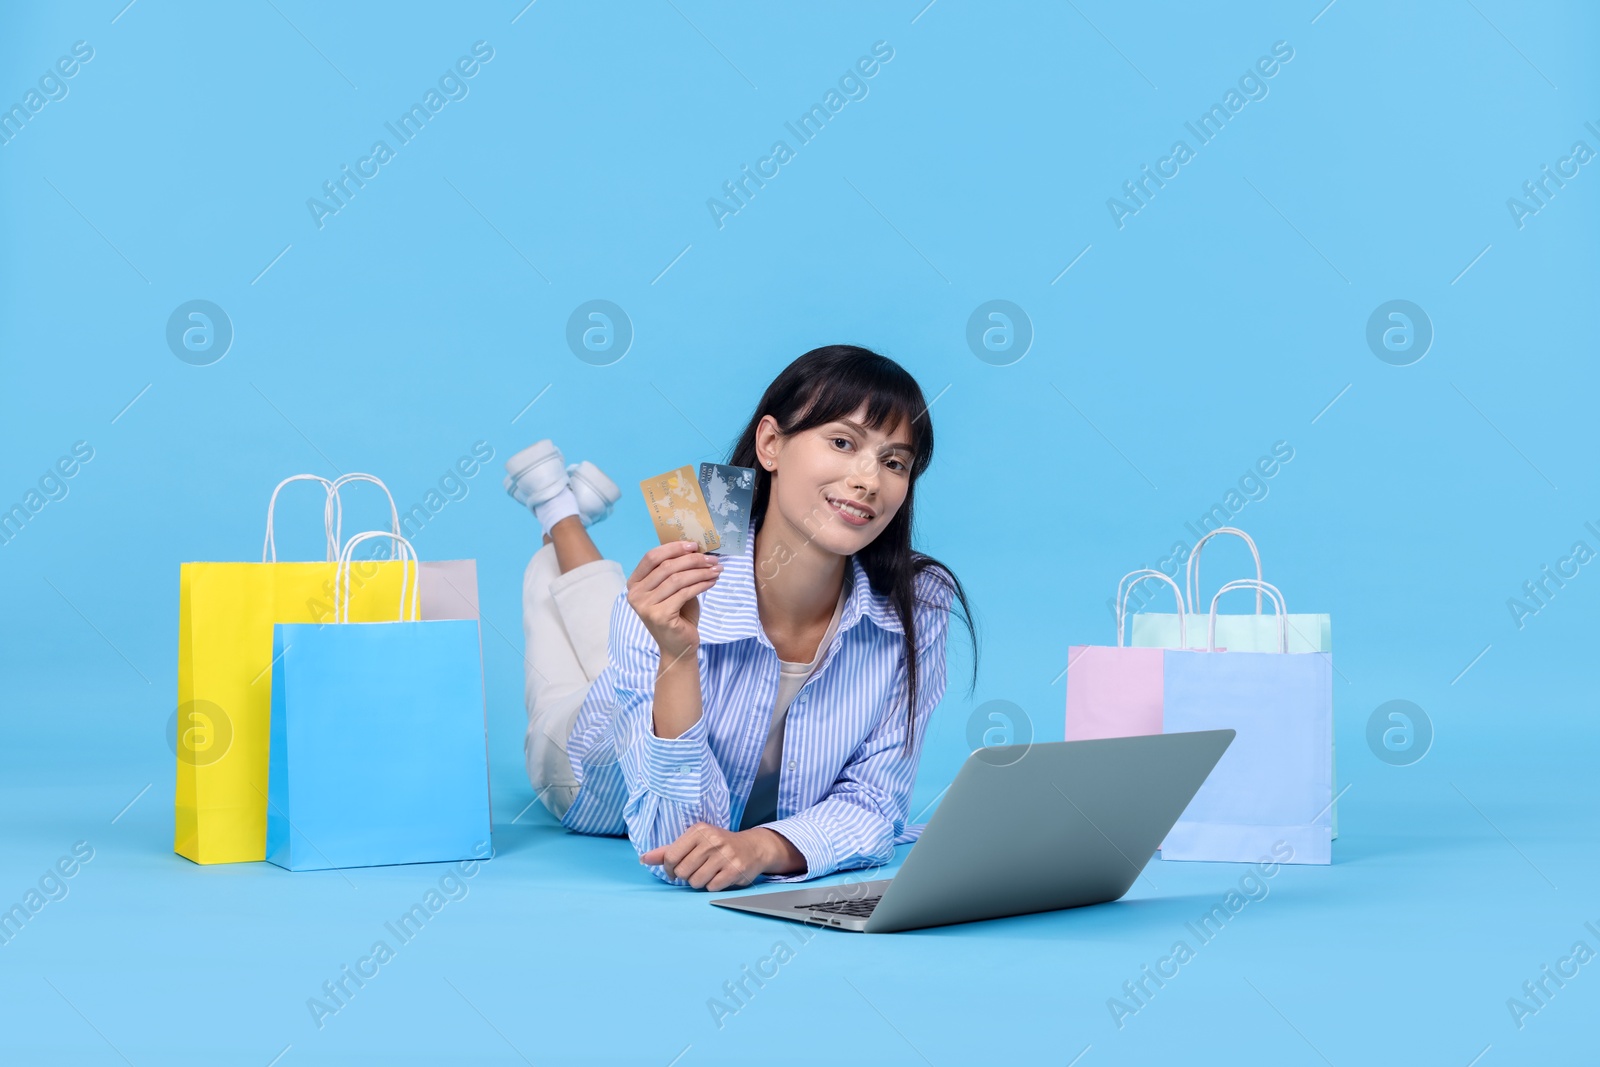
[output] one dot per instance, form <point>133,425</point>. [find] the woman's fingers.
<point>648,561</point>
<point>698,857</point>
<point>666,855</point>
<point>686,591</point>
<point>673,853</point>
<point>708,871</point>
<point>726,878</point>
<point>683,577</point>
<point>664,560</point>
<point>712,864</point>
<point>662,602</point>
<point>651,597</point>
<point>694,851</point>
<point>694,863</point>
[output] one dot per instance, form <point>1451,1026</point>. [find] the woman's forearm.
<point>677,703</point>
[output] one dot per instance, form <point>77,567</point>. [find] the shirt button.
<point>683,768</point>
<point>793,765</point>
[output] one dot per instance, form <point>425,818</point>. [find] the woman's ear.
<point>767,442</point>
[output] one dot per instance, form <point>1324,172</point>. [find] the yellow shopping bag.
<point>226,612</point>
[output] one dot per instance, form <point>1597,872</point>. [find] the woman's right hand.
<point>663,590</point>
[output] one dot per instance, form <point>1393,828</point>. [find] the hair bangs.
<point>888,392</point>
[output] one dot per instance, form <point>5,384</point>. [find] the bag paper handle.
<point>341,592</point>
<point>1192,571</point>
<point>269,548</point>
<point>333,511</point>
<point>1125,589</point>
<point>1278,606</point>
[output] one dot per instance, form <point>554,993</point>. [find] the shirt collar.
<point>728,609</point>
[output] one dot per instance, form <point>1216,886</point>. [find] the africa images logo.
<point>852,86</point>
<point>452,86</point>
<point>1252,86</point>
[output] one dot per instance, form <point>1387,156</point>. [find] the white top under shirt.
<point>762,807</point>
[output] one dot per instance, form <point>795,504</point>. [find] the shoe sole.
<point>595,479</point>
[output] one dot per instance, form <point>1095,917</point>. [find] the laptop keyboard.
<point>856,909</point>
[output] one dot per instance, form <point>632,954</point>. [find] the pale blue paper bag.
<point>1274,785</point>
<point>378,743</point>
<point>1236,633</point>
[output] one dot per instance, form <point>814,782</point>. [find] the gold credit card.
<point>678,507</point>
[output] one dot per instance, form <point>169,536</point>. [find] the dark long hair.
<point>833,382</point>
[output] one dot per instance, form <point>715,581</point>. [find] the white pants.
<point>566,624</point>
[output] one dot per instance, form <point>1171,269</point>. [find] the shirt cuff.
<point>674,766</point>
<point>811,842</point>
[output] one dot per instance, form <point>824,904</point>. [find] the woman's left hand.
<point>709,857</point>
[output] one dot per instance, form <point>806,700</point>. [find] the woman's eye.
<point>846,440</point>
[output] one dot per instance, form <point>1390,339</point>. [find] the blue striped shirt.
<point>845,783</point>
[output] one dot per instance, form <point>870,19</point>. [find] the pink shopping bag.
<point>1118,692</point>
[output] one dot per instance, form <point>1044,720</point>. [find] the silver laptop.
<point>1023,828</point>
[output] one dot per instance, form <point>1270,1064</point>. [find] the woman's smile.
<point>856,514</point>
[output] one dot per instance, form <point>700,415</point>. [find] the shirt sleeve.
<point>592,753</point>
<point>858,822</point>
<point>671,783</point>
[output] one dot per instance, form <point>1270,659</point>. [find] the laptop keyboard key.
<point>858,909</point>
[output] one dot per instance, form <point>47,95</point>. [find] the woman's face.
<point>837,485</point>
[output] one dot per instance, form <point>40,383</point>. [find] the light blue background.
<point>1225,316</point>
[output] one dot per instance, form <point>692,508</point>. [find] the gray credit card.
<point>729,493</point>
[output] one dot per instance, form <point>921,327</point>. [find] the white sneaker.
<point>597,495</point>
<point>536,474</point>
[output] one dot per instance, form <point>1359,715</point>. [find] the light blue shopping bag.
<point>1273,789</point>
<point>1236,633</point>
<point>378,743</point>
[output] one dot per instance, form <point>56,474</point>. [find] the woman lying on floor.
<point>747,716</point>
